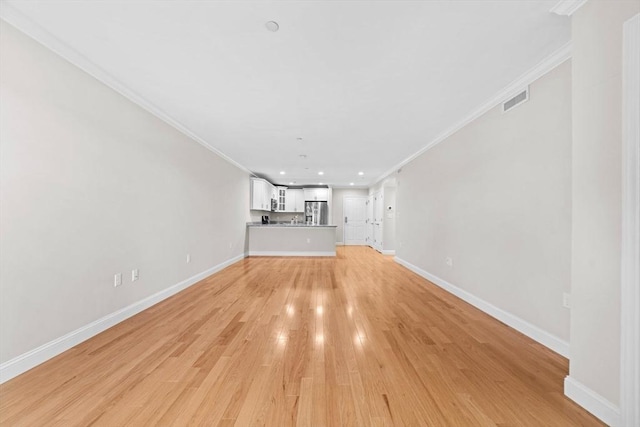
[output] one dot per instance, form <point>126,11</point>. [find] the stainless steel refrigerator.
<point>316,213</point>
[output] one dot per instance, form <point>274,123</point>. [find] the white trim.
<point>630,266</point>
<point>567,7</point>
<point>600,407</point>
<point>292,253</point>
<point>543,337</point>
<point>388,252</point>
<point>339,243</point>
<point>542,68</point>
<point>20,364</point>
<point>42,36</point>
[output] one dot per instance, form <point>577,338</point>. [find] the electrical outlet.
<point>117,280</point>
<point>449,261</point>
<point>188,258</point>
<point>566,300</point>
<point>134,275</point>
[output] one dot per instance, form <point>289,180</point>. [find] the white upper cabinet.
<point>261,194</point>
<point>288,200</point>
<point>299,201</point>
<point>257,194</point>
<point>281,199</point>
<point>316,194</point>
<point>294,200</point>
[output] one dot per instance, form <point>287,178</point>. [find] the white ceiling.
<point>366,84</point>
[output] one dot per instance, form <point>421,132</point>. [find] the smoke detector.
<point>272,26</point>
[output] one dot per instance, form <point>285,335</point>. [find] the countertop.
<point>288,224</point>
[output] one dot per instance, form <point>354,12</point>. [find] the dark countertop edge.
<point>290,225</point>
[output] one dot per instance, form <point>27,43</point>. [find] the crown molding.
<point>542,68</point>
<point>20,21</point>
<point>567,7</point>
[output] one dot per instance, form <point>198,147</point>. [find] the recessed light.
<point>320,173</point>
<point>282,172</point>
<point>351,183</point>
<point>360,173</point>
<point>291,183</point>
<point>272,26</point>
<point>320,183</point>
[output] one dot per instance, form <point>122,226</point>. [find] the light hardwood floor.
<point>355,340</point>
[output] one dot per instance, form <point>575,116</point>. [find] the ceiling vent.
<point>516,100</point>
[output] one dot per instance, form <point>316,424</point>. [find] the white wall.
<point>92,185</point>
<point>597,173</point>
<point>389,219</point>
<point>496,198</point>
<point>337,213</point>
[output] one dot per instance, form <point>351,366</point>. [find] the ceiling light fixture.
<point>351,183</point>
<point>320,173</point>
<point>320,183</point>
<point>272,26</point>
<point>360,173</point>
<point>282,172</point>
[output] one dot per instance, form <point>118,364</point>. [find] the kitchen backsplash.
<point>256,216</point>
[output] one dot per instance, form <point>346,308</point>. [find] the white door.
<point>378,208</point>
<point>355,220</point>
<point>369,220</point>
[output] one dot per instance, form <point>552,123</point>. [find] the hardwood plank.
<point>355,340</point>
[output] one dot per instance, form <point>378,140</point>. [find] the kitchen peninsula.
<point>285,239</point>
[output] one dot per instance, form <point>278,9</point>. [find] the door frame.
<point>370,220</point>
<point>630,259</point>
<point>344,228</point>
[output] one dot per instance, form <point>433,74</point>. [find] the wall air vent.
<point>516,100</point>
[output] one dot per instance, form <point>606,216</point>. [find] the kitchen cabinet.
<point>316,194</point>
<point>294,200</point>
<point>281,199</point>
<point>261,194</point>
<point>299,207</point>
<point>258,188</point>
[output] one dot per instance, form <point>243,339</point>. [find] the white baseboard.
<point>600,407</point>
<point>291,253</point>
<point>388,252</point>
<point>543,337</point>
<point>339,243</point>
<point>20,364</point>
